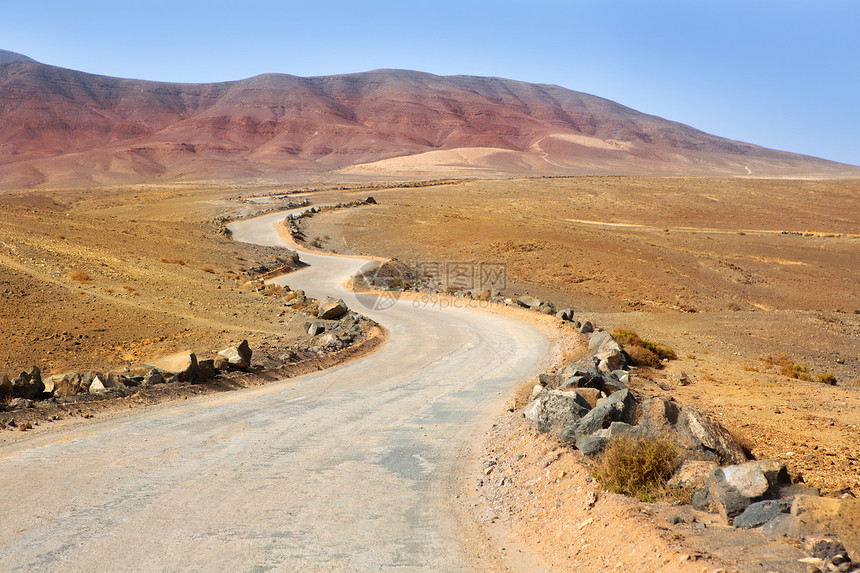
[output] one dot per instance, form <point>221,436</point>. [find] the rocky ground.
<point>112,280</point>
<point>102,285</point>
<point>731,290</point>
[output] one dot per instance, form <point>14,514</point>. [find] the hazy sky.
<point>779,73</point>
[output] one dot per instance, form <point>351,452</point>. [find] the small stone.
<point>97,386</point>
<point>761,512</point>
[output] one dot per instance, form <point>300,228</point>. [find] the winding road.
<point>349,469</point>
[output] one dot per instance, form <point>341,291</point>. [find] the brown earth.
<point>700,264</point>
<point>680,261</point>
<point>755,292</point>
<point>112,279</point>
<point>64,128</point>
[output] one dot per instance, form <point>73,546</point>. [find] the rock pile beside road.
<point>588,404</point>
<point>332,326</point>
<point>292,221</point>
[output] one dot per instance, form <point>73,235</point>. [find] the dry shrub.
<point>642,356</point>
<point>787,367</point>
<point>523,394</point>
<point>638,467</point>
<point>128,288</point>
<point>208,270</point>
<point>80,276</point>
<point>827,378</point>
<point>179,262</point>
<point>643,352</point>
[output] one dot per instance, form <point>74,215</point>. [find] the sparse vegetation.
<point>788,367</point>
<point>179,262</point>
<point>827,378</point>
<point>638,467</point>
<point>274,290</point>
<point>523,394</point>
<point>80,276</point>
<point>208,270</point>
<point>643,352</point>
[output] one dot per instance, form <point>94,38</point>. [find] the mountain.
<point>60,127</point>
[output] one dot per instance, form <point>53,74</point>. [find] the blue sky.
<point>779,73</point>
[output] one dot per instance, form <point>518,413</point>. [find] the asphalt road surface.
<point>350,469</point>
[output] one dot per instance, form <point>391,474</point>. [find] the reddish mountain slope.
<point>62,127</point>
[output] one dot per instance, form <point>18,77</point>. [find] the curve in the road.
<point>347,469</point>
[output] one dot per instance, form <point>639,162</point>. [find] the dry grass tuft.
<point>638,467</point>
<point>80,276</point>
<point>643,352</point>
<point>179,262</point>
<point>827,378</point>
<point>787,367</point>
<point>523,394</point>
<point>208,270</point>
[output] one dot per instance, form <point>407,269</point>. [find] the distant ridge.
<point>7,57</point>
<point>60,127</point>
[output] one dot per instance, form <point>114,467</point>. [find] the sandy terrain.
<point>680,262</point>
<point>161,279</point>
<point>673,258</point>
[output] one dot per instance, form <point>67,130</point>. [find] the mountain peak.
<point>65,128</point>
<point>7,57</point>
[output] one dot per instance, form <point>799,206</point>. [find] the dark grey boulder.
<point>711,435</point>
<point>689,430</point>
<point>761,512</point>
<point>565,314</point>
<point>5,390</point>
<point>152,378</point>
<point>586,327</point>
<point>620,429</point>
<point>574,382</point>
<point>591,445</point>
<point>586,369</point>
<point>557,411</point>
<point>611,383</point>
<point>546,308</point>
<point>619,407</point>
<point>207,367</point>
<point>550,380</point>
<point>28,384</point>
<point>727,500</point>
<point>702,499</point>
<point>528,301</point>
